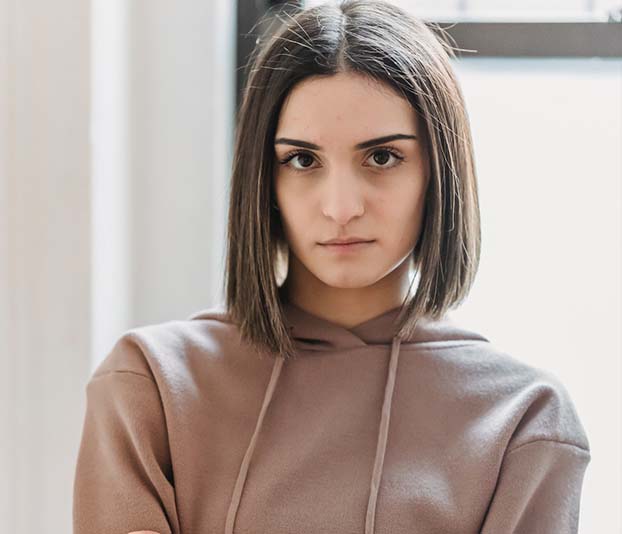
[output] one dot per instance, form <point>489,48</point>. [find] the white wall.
<point>181,61</point>
<point>45,256</point>
<point>548,138</point>
<point>111,250</point>
<point>163,102</point>
<point>112,209</point>
<point>6,365</point>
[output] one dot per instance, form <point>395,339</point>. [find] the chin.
<point>347,278</point>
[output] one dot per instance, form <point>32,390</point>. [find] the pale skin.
<point>339,190</point>
<point>346,191</point>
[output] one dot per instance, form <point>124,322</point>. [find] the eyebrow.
<point>359,146</point>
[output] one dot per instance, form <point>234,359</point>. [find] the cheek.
<point>295,214</point>
<point>287,193</point>
<point>400,214</point>
<point>400,204</point>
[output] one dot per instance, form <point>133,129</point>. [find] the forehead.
<point>344,106</point>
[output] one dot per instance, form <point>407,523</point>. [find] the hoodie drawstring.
<point>239,484</point>
<point>383,431</point>
<point>382,437</point>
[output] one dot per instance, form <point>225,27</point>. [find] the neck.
<point>346,306</point>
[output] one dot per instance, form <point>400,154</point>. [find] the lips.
<point>347,241</point>
<point>353,247</point>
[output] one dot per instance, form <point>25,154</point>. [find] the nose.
<point>342,198</point>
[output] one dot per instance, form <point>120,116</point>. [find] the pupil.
<point>383,156</point>
<point>302,157</point>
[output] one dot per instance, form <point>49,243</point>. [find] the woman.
<point>331,393</point>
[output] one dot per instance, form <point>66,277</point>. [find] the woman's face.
<point>335,177</point>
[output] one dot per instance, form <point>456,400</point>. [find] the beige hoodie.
<point>188,431</point>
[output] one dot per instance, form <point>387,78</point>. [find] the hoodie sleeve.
<point>123,479</point>
<point>538,490</point>
<point>541,472</point>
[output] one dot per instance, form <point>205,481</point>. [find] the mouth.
<point>349,246</point>
<point>346,240</point>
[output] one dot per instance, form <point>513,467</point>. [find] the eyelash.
<point>396,154</point>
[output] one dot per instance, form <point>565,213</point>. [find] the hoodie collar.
<point>312,332</point>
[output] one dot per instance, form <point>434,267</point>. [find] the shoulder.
<point>167,350</point>
<point>532,401</point>
<point>546,411</point>
<point>529,402</point>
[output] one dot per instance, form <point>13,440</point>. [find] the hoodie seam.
<point>448,346</point>
<point>405,346</point>
<point>547,440</point>
<point>118,371</point>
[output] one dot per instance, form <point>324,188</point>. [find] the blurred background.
<point>116,130</point>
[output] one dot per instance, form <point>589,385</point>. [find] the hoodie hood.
<point>313,333</point>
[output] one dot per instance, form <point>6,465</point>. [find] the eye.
<point>386,154</point>
<point>306,159</point>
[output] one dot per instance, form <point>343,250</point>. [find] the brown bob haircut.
<point>379,40</point>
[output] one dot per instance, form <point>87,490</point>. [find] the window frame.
<point>472,39</point>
